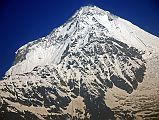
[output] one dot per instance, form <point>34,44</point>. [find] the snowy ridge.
<point>75,65</point>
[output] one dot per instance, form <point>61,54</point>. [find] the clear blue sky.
<point>22,21</point>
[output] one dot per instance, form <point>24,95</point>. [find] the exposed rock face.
<point>69,73</point>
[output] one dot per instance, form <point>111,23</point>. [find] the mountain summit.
<point>69,73</point>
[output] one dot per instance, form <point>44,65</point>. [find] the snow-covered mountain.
<point>79,69</point>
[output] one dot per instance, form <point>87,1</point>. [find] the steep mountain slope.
<point>76,70</point>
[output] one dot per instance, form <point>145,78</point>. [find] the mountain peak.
<point>92,10</point>
<point>66,74</point>
<point>88,22</point>
<point>90,7</point>
<point>91,14</point>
